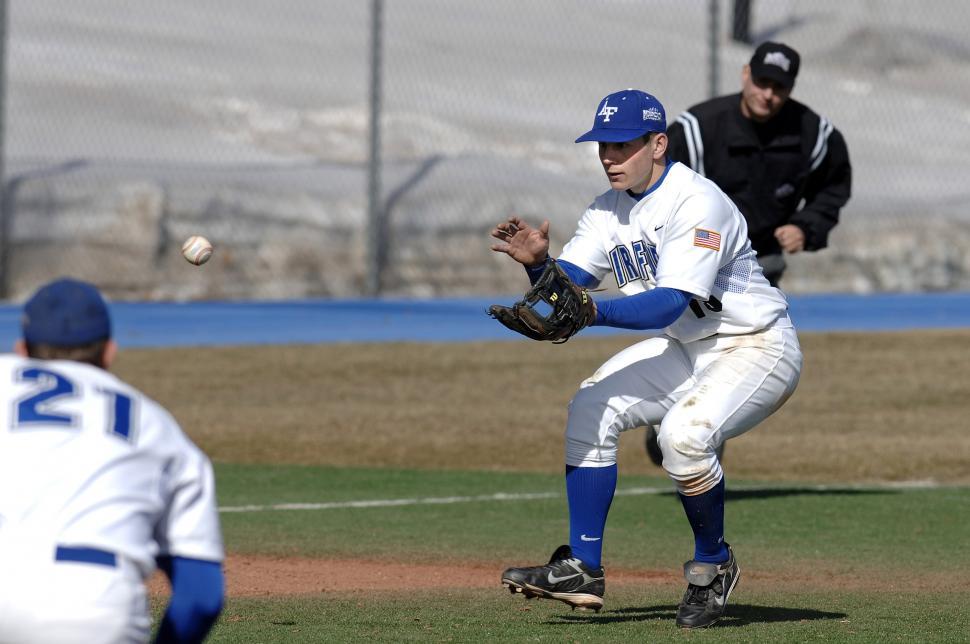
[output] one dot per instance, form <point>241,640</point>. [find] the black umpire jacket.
<point>768,169</point>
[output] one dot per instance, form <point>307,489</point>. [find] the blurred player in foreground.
<point>98,485</point>
<point>727,358</point>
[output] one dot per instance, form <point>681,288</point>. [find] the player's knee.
<point>586,446</point>
<point>690,459</point>
<point>684,453</point>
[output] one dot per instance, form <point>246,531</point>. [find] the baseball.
<point>197,250</point>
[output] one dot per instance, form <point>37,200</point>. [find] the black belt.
<point>86,555</point>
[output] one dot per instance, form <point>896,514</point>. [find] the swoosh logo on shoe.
<point>555,580</point>
<point>721,599</point>
<point>585,538</point>
<point>718,599</point>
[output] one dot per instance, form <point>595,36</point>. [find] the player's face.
<point>761,98</point>
<point>629,164</point>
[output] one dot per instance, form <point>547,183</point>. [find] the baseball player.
<point>727,356</point>
<point>98,485</point>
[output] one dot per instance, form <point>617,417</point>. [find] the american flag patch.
<point>707,239</point>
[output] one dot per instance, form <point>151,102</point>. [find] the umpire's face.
<point>629,165</point>
<point>761,98</point>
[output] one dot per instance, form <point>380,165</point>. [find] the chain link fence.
<point>131,125</point>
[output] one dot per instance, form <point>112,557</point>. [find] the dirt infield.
<point>265,576</point>
<point>259,576</point>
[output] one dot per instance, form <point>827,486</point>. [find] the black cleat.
<point>564,578</point>
<point>657,456</point>
<point>708,588</point>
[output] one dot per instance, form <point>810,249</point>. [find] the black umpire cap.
<point>775,61</point>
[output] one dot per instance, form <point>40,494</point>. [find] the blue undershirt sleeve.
<point>575,273</point>
<point>655,309</point>
<point>197,593</point>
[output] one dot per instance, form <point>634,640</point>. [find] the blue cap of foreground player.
<point>66,313</point>
<point>626,115</point>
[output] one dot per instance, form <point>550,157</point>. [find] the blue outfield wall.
<point>162,324</point>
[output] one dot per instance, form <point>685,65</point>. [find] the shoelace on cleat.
<point>697,595</point>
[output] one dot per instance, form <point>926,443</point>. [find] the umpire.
<point>786,167</point>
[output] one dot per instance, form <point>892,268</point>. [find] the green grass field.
<point>819,563</point>
<point>640,615</point>
<point>448,459</point>
<point>757,615</point>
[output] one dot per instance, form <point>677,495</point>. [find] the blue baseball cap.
<point>626,115</point>
<point>66,313</point>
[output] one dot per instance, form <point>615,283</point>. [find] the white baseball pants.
<point>49,600</point>
<point>698,394</point>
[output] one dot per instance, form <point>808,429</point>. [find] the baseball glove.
<point>554,309</point>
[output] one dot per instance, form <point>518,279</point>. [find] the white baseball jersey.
<point>684,234</point>
<point>91,469</point>
<point>727,363</point>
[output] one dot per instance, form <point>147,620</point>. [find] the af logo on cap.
<point>607,111</point>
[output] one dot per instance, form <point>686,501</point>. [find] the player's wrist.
<point>535,271</point>
<point>538,264</point>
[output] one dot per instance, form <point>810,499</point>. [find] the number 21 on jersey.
<point>39,406</point>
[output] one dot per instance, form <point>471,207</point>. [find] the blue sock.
<point>590,493</point>
<point>706,515</point>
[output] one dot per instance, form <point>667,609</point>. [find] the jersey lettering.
<point>625,269</point>
<point>641,252</point>
<point>37,409</point>
<point>119,414</point>
<point>39,406</point>
<point>712,304</point>
<point>641,264</point>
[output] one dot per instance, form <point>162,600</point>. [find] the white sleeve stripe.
<point>695,145</point>
<point>822,142</point>
<point>689,137</point>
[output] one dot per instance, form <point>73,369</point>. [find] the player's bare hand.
<point>522,242</point>
<point>791,238</point>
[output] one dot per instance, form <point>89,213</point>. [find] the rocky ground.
<point>127,130</point>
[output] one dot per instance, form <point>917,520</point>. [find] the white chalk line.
<point>536,496</point>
